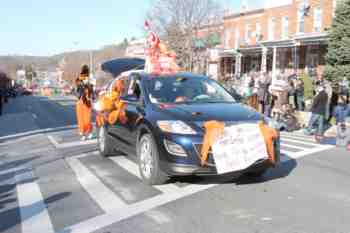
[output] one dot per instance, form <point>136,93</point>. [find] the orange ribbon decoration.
<point>213,130</point>
<point>269,135</point>
<point>118,114</point>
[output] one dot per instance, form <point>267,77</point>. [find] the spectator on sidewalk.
<point>318,111</point>
<point>263,94</point>
<point>341,111</point>
<point>299,94</point>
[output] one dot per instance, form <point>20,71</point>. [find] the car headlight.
<point>177,127</point>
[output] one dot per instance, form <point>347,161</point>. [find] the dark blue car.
<point>165,124</point>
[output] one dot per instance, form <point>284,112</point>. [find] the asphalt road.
<point>52,182</point>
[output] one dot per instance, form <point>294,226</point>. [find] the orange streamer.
<point>119,114</point>
<point>213,130</point>
<point>270,135</point>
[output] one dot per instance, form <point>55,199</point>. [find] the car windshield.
<point>187,90</point>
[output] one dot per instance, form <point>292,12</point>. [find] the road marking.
<point>292,146</point>
<point>20,139</point>
<point>133,168</point>
<point>102,195</point>
<point>296,155</point>
<point>70,144</point>
<point>53,141</point>
<point>12,170</point>
<point>34,215</point>
<point>34,116</point>
<point>118,215</point>
<point>300,142</point>
<point>310,139</point>
<point>37,131</point>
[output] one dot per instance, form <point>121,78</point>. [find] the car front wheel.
<point>148,160</point>
<point>104,142</point>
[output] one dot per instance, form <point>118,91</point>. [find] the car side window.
<point>133,88</point>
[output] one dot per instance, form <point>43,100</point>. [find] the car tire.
<point>105,145</point>
<point>148,161</point>
<point>257,173</point>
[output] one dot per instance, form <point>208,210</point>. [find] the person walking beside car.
<point>84,105</point>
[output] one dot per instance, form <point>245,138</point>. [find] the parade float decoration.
<point>239,146</point>
<point>159,60</point>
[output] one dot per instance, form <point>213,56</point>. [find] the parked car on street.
<point>164,128</point>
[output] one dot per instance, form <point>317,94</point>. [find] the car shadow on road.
<point>14,216</point>
<point>282,170</point>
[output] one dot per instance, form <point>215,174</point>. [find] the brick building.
<point>279,35</point>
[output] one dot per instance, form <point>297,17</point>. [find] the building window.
<point>334,7</point>
<point>317,19</point>
<point>301,19</point>
<point>285,27</point>
<point>248,33</point>
<point>271,26</point>
<point>258,32</point>
<point>227,38</point>
<point>237,38</point>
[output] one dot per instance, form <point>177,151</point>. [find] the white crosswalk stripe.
<point>102,195</point>
<point>305,145</point>
<point>132,167</point>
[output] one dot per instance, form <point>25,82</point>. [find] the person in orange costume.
<point>83,106</point>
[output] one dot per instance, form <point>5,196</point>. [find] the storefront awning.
<point>228,53</point>
<point>311,38</point>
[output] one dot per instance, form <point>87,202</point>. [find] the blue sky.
<point>48,27</point>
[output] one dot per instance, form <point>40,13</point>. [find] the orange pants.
<point>84,118</point>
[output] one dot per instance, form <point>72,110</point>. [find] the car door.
<point>126,133</point>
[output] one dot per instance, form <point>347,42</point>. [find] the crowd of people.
<point>284,96</point>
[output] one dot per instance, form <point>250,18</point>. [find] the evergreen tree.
<point>338,56</point>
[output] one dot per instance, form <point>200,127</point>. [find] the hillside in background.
<point>69,62</point>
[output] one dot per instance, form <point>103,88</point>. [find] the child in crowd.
<point>341,111</point>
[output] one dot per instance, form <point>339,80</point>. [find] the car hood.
<point>227,112</point>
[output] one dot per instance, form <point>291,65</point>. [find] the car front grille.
<point>198,148</point>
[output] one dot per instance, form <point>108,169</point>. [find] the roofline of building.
<point>246,13</point>
<point>285,43</point>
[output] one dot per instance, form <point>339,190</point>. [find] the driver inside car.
<point>188,95</point>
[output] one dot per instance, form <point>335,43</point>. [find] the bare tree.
<point>178,22</point>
